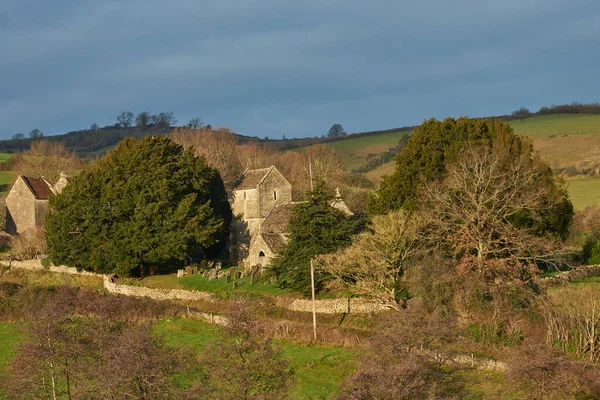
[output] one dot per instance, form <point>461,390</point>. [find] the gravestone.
<point>218,265</point>
<point>212,274</point>
<point>220,273</point>
<point>180,273</point>
<point>252,277</point>
<point>237,275</point>
<point>227,277</point>
<point>188,271</point>
<point>205,274</point>
<point>194,270</point>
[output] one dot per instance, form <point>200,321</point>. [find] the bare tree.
<point>375,262</point>
<point>167,118</point>
<point>323,163</point>
<point>195,123</point>
<point>18,136</point>
<point>475,210</point>
<point>142,120</point>
<point>243,365</point>
<point>48,159</point>
<point>137,364</point>
<point>217,147</point>
<point>125,119</point>
<point>94,127</point>
<point>36,134</point>
<point>254,154</point>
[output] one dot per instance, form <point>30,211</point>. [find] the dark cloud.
<point>274,67</point>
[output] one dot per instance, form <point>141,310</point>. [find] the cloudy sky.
<point>293,67</point>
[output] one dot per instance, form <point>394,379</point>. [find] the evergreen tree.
<point>147,206</point>
<point>315,228</point>
<point>435,144</point>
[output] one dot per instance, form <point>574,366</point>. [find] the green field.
<point>584,192</point>
<point>319,370</point>
<point>560,124</point>
<point>552,136</point>
<point>9,337</point>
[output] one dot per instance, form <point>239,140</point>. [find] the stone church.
<point>262,207</point>
<point>27,202</point>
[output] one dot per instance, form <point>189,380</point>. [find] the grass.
<point>559,124</point>
<point>9,338</point>
<point>319,370</point>
<point>355,152</point>
<point>197,282</point>
<point>50,279</point>
<point>4,157</point>
<point>584,192</point>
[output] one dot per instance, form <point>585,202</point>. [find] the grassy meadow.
<point>319,370</point>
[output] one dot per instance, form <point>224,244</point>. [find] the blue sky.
<point>293,67</point>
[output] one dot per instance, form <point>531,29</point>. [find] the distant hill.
<point>356,148</point>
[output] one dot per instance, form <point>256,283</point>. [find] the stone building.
<point>262,207</point>
<point>255,195</point>
<point>27,202</point>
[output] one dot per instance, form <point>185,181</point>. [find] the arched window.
<point>261,257</point>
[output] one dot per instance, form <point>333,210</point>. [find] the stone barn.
<point>27,202</point>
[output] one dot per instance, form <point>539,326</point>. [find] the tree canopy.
<point>336,130</point>
<point>315,228</point>
<point>147,205</point>
<point>436,144</point>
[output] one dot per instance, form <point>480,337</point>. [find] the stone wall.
<point>33,265</point>
<point>573,274</point>
<point>332,306</point>
<point>156,294</point>
<point>324,306</point>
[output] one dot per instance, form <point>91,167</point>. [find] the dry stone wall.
<point>333,306</point>
<point>153,293</point>
<point>324,306</point>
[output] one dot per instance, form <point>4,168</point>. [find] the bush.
<point>396,367</point>
<point>547,374</point>
<point>28,245</point>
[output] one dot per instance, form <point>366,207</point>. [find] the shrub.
<point>396,367</point>
<point>547,374</point>
<point>28,245</point>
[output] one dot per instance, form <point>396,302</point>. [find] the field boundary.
<point>323,306</point>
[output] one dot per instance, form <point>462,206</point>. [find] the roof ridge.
<point>270,169</point>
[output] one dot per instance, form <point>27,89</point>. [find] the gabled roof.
<point>41,188</point>
<point>274,240</point>
<point>278,218</point>
<point>252,178</point>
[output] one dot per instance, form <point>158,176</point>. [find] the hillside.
<point>564,140</point>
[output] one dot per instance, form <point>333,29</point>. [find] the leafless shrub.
<point>546,374</point>
<point>242,364</point>
<point>397,364</point>
<point>68,354</point>
<point>28,245</point>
